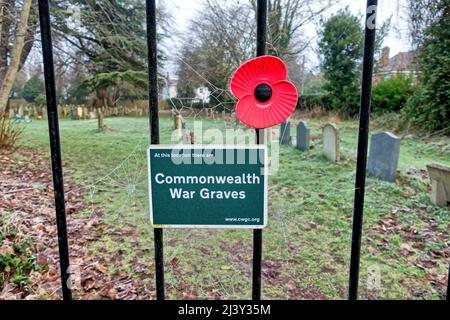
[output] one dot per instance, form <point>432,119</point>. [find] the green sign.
<point>208,186</point>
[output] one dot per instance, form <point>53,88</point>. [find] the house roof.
<point>403,61</point>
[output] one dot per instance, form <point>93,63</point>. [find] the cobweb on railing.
<point>217,106</point>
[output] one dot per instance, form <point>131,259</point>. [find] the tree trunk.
<point>100,117</point>
<point>33,22</point>
<point>6,21</point>
<point>102,103</point>
<point>16,54</point>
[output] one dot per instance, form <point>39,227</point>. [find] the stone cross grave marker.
<point>303,136</point>
<point>331,142</point>
<point>383,156</point>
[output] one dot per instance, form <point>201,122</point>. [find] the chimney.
<point>384,62</point>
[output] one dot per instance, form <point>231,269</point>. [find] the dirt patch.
<point>28,223</point>
<point>413,247</point>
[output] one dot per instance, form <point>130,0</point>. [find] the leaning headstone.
<point>331,142</point>
<point>303,136</point>
<point>285,132</point>
<point>383,156</point>
<point>440,184</point>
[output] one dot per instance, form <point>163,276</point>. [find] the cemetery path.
<point>29,263</point>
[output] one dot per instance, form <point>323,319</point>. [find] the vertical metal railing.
<point>363,137</point>
<point>55,145</point>
<point>261,36</point>
<point>154,132</point>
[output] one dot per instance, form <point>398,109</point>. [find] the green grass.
<point>307,242</point>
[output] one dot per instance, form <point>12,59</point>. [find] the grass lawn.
<point>307,242</point>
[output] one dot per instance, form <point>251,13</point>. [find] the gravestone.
<point>285,132</point>
<point>44,113</point>
<point>21,111</point>
<point>73,112</point>
<point>383,156</point>
<point>440,184</point>
<point>330,138</point>
<point>234,119</point>
<point>303,136</point>
<point>85,113</point>
<point>79,113</point>
<point>178,121</point>
<point>59,110</point>
<point>179,125</point>
<point>186,136</point>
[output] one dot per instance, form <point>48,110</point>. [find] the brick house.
<point>401,63</point>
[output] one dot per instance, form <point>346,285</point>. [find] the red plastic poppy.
<point>265,97</point>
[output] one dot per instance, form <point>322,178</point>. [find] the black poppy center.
<point>263,92</point>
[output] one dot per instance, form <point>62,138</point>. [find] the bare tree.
<point>218,40</point>
<point>223,36</point>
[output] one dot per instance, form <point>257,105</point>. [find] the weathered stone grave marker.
<point>331,142</point>
<point>186,137</point>
<point>178,124</point>
<point>79,113</point>
<point>234,119</point>
<point>285,132</point>
<point>383,156</point>
<point>186,134</point>
<point>303,136</point>
<point>440,184</point>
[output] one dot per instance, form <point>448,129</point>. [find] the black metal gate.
<point>358,209</point>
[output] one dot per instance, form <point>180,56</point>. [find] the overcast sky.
<point>397,40</point>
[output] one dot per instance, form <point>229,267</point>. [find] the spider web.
<point>216,109</point>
